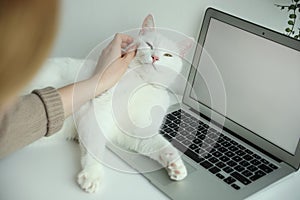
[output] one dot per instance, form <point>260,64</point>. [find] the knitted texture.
<point>54,109</point>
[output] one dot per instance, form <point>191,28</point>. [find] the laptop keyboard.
<point>222,156</point>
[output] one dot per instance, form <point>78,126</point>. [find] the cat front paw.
<point>174,165</point>
<point>89,179</point>
<point>177,170</point>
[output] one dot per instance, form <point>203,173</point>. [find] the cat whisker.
<point>154,67</point>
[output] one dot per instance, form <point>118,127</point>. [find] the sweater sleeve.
<point>33,116</point>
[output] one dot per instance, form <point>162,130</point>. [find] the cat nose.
<point>154,58</point>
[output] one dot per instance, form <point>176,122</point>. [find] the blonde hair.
<point>27,29</point>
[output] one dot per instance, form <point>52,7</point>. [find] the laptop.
<point>238,125</point>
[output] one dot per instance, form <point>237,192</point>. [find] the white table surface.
<point>47,170</point>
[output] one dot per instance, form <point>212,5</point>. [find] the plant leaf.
<point>292,7</point>
<point>291,22</point>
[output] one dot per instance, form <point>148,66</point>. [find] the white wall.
<point>85,23</point>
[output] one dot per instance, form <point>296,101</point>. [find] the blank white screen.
<point>261,79</point>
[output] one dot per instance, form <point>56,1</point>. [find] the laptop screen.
<point>261,79</point>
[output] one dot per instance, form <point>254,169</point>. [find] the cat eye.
<point>168,55</point>
<point>151,47</point>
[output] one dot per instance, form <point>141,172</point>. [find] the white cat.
<point>154,70</point>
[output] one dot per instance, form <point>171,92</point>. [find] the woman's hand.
<point>113,62</point>
<point>111,65</point>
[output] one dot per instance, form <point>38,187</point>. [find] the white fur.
<point>152,91</point>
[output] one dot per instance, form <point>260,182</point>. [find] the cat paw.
<point>89,179</point>
<point>174,166</point>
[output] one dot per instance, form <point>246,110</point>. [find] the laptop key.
<point>180,138</point>
<point>173,125</point>
<point>190,137</point>
<point>217,145</point>
<point>273,166</point>
<point>222,149</point>
<point>168,137</point>
<point>249,151</point>
<point>239,168</point>
<point>200,136</point>
<point>200,151</point>
<point>247,173</point>
<point>190,129</point>
<point>226,144</point>
<point>240,152</point>
<point>187,142</point>
<point>217,154</point>
<point>229,154</point>
<point>206,164</point>
<point>265,168</point>
<point>257,175</point>
<point>196,141</point>
<point>235,186</point>
<point>237,158</point>
<point>220,140</point>
<point>228,170</point>
<point>244,163</point>
<point>168,130</point>
<point>255,162</point>
<point>224,158</point>
<point>194,124</point>
<point>171,117</point>
<point>252,168</point>
<point>214,170</point>
<point>207,155</point>
<point>256,156</point>
<point>264,161</point>
<point>193,156</point>
<point>229,180</point>
<point>193,146</point>
<point>226,138</point>
<point>177,121</point>
<point>179,146</point>
<point>176,113</point>
<point>220,176</point>
<point>241,147</point>
<point>233,148</point>
<point>213,160</point>
<point>233,142</point>
<point>231,163</point>
<point>209,141</point>
<point>220,164</point>
<point>247,157</point>
<point>240,178</point>
<point>183,132</point>
<point>204,145</point>
<point>183,125</point>
<point>173,134</point>
<point>205,126</point>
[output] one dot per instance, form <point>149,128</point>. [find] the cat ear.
<point>148,24</point>
<point>185,45</point>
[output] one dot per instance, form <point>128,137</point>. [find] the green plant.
<point>292,9</point>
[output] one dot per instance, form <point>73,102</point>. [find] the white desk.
<point>47,170</point>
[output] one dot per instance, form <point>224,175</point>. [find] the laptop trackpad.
<point>162,176</point>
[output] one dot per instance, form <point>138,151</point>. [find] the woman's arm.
<point>42,112</point>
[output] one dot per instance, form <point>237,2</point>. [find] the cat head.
<point>157,51</point>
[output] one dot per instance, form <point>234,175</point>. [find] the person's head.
<point>27,29</point>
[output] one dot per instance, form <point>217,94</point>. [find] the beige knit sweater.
<point>33,116</point>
